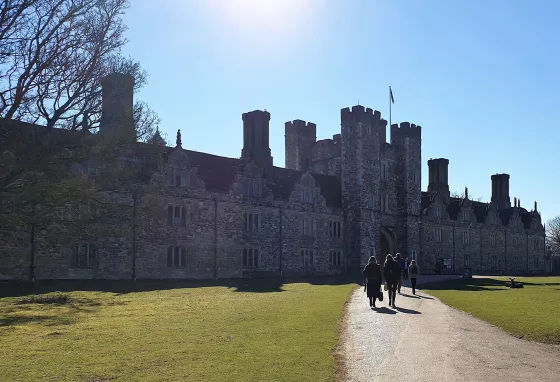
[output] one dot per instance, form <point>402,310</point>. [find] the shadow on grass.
<point>49,310</point>
<point>265,285</point>
<point>473,285</point>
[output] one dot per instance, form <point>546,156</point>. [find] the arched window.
<point>413,255</point>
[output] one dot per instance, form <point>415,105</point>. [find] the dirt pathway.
<point>425,340</point>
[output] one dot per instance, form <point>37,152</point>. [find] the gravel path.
<point>426,340</point>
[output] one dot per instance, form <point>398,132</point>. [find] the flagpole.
<point>390,102</point>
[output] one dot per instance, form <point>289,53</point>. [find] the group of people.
<point>395,270</point>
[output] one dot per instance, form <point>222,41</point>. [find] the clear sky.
<point>481,77</point>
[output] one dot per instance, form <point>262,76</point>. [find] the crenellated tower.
<point>362,135</point>
<point>299,140</point>
<point>406,140</point>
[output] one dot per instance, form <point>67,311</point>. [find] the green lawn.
<point>245,331</point>
<point>532,313</point>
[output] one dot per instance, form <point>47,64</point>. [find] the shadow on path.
<point>384,310</point>
<point>408,311</point>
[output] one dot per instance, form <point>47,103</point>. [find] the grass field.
<point>532,313</point>
<point>246,331</point>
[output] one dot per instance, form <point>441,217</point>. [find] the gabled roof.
<point>218,173</point>
<point>480,210</point>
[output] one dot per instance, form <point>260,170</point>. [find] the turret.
<point>299,140</point>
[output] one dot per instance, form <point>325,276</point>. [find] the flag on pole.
<point>391,94</point>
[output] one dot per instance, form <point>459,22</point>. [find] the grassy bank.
<point>531,313</point>
<point>246,331</point>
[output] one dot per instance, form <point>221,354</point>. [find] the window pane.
<point>92,256</point>
<point>176,259</point>
<point>169,215</point>
<point>177,212</point>
<point>82,256</point>
<point>256,222</point>
<point>256,257</point>
<point>184,217</point>
<point>169,256</point>
<point>245,257</point>
<point>183,258</point>
<point>75,252</point>
<point>177,179</point>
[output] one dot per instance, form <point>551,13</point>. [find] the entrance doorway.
<point>386,244</point>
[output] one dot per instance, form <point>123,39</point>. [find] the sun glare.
<point>257,21</point>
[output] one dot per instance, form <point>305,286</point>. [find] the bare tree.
<point>53,55</point>
<point>553,234</point>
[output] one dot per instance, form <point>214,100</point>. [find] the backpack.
<point>414,270</point>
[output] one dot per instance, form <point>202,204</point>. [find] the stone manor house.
<point>336,202</point>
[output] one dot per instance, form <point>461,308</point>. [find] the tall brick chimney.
<point>256,133</point>
<point>438,177</point>
<point>500,190</point>
<point>117,118</point>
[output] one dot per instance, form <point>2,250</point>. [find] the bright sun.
<point>262,20</point>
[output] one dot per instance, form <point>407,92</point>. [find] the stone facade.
<point>337,202</point>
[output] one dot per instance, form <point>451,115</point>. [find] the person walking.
<point>372,272</point>
<point>401,263</point>
<point>414,271</point>
<point>405,269</point>
<point>393,273</point>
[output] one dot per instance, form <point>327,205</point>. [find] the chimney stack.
<point>256,146</point>
<point>500,191</point>
<point>117,118</point>
<point>438,177</point>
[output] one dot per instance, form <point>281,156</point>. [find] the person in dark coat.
<point>392,272</point>
<point>372,272</point>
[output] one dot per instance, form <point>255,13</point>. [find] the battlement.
<point>359,113</point>
<point>299,125</point>
<point>405,130</point>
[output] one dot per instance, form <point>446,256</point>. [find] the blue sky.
<point>481,77</point>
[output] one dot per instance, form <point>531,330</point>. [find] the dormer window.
<point>493,219</point>
<point>466,216</point>
<point>177,179</point>
<point>437,212</point>
<point>252,188</point>
<point>306,196</point>
<point>384,171</point>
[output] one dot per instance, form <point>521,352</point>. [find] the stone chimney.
<point>117,118</point>
<point>438,177</point>
<point>500,190</point>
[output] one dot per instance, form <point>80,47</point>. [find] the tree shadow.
<point>473,285</point>
<point>47,310</point>
<point>408,311</point>
<point>121,287</point>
